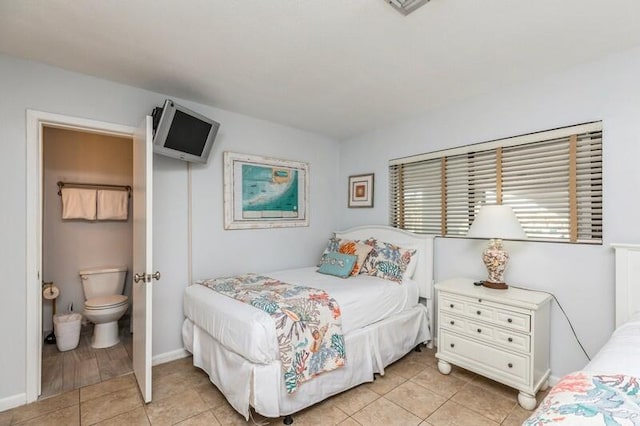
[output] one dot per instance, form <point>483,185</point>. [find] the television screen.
<point>183,134</point>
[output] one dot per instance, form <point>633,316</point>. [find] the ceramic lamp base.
<point>495,258</point>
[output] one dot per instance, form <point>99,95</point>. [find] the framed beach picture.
<point>361,190</point>
<point>262,192</point>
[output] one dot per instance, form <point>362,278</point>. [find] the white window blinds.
<point>553,181</point>
<point>417,196</point>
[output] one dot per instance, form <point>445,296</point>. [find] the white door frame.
<point>36,120</point>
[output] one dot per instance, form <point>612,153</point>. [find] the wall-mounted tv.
<point>183,134</point>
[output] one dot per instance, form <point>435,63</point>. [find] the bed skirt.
<point>244,384</point>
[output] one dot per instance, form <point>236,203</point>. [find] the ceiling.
<point>335,67</point>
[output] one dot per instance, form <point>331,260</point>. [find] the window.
<point>552,179</point>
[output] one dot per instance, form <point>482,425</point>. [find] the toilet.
<point>104,302</point>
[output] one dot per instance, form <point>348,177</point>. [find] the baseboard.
<point>13,401</point>
<point>170,356</point>
<point>553,380</point>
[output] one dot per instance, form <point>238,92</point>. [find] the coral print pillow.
<point>387,260</point>
<point>358,249</point>
<point>332,247</point>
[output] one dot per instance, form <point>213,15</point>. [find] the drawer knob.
<point>479,330</point>
<point>451,306</point>
<point>509,320</point>
<point>478,312</point>
<point>510,365</point>
<point>510,339</point>
<point>453,345</point>
<point>453,322</point>
<point>479,300</point>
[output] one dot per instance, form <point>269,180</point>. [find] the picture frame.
<point>264,192</point>
<point>361,190</point>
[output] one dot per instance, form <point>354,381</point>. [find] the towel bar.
<point>93,185</point>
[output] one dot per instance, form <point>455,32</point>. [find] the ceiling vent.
<point>406,6</point>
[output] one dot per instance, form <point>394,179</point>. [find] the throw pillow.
<point>387,260</point>
<point>337,264</point>
<point>358,249</point>
<point>332,246</point>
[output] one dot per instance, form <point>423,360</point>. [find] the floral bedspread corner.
<point>307,321</point>
<point>587,399</point>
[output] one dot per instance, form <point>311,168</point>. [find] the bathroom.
<point>73,245</point>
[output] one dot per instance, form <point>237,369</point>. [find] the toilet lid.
<point>106,301</point>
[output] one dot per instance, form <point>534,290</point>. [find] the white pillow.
<point>413,263</point>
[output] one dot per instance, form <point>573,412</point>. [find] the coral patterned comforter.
<point>307,322</point>
<point>587,399</point>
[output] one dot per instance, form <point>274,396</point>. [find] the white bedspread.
<point>248,331</point>
<point>621,354</point>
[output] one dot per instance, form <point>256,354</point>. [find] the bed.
<point>607,390</point>
<point>381,322</point>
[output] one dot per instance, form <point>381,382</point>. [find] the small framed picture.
<point>361,190</point>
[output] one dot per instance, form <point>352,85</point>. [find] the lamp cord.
<point>564,313</point>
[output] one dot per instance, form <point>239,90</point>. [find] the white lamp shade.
<point>496,221</point>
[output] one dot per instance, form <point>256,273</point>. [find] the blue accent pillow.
<point>338,264</point>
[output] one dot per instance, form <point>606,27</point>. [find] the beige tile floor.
<point>412,392</point>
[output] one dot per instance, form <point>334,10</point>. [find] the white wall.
<point>580,276</point>
<point>28,85</point>
<point>218,252</point>
<point>70,246</point>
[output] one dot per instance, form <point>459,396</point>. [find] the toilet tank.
<point>103,281</point>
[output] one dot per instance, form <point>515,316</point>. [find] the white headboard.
<point>424,250</point>
<point>627,281</point>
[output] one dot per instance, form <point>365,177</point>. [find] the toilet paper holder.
<point>50,292</point>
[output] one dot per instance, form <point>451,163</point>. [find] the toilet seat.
<point>106,302</point>
<point>104,312</point>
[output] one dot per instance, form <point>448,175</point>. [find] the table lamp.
<point>496,222</point>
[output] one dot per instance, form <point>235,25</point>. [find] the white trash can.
<point>67,330</point>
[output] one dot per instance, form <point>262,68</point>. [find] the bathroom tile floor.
<point>412,392</point>
<point>83,366</point>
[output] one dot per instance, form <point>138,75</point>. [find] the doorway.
<point>98,164</point>
<point>142,255</point>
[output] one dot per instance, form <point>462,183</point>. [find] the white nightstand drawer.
<point>448,304</point>
<point>513,320</point>
<point>516,341</point>
<point>510,319</point>
<point>479,311</point>
<point>515,367</point>
<point>452,322</point>
<point>480,330</point>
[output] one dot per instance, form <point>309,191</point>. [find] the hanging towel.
<point>78,203</point>
<point>113,204</point>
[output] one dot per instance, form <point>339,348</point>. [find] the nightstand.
<point>499,334</point>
